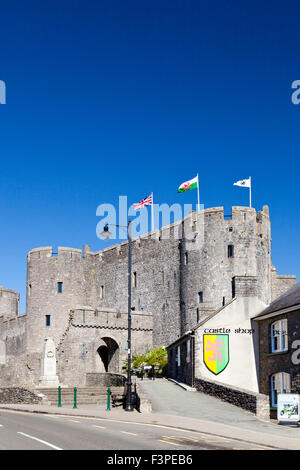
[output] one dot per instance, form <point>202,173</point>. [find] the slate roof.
<point>289,299</point>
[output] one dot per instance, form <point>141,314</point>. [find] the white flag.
<point>244,183</point>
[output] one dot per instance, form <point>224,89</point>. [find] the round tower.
<point>227,246</point>
<point>55,285</point>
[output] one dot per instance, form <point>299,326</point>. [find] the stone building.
<point>279,346</point>
<point>219,355</point>
<point>182,275</point>
<point>244,352</point>
<point>259,352</point>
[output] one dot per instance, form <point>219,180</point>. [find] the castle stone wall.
<point>17,367</point>
<point>170,273</point>
<point>77,352</point>
<point>182,274</point>
<point>280,284</point>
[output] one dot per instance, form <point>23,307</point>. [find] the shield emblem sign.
<point>216,352</point>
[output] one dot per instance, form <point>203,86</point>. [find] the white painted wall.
<point>241,369</point>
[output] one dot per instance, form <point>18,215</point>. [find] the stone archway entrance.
<point>107,356</point>
<point>103,353</point>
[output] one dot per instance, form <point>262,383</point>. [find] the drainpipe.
<point>193,358</point>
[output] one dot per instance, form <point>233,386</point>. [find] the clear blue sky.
<point>108,98</point>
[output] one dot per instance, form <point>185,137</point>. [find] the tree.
<point>156,357</point>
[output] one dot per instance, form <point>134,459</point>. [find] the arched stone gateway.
<point>107,356</point>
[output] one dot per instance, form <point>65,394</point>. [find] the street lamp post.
<point>107,234</point>
<point>128,404</point>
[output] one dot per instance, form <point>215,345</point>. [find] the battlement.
<point>12,326</point>
<point>62,252</point>
<point>238,213</point>
<point>85,316</point>
<point>209,216</point>
<point>3,290</point>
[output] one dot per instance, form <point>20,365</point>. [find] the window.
<point>198,315</point>
<point>29,290</point>
<point>59,287</point>
<point>279,383</point>
<point>186,258</point>
<point>178,356</point>
<point>200,297</point>
<point>48,320</point>
<point>188,350</point>
<point>230,251</point>
<point>279,336</point>
<point>233,287</point>
<point>224,301</point>
<point>101,292</point>
<point>134,279</point>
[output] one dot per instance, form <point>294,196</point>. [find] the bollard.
<point>75,397</point>
<point>59,396</point>
<point>108,399</point>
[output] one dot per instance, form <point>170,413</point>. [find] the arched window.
<point>279,336</point>
<point>279,383</point>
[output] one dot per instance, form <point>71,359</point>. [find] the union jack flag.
<point>148,201</point>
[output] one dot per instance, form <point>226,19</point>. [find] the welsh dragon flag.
<point>191,184</point>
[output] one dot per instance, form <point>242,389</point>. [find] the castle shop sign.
<point>216,352</point>
<point>216,346</point>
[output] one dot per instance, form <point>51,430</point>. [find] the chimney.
<point>244,286</point>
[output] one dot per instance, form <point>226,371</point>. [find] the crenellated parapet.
<point>12,327</point>
<point>109,318</point>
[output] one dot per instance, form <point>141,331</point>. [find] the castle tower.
<point>9,303</point>
<point>233,245</point>
<point>55,285</point>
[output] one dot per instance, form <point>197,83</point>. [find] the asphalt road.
<point>32,431</point>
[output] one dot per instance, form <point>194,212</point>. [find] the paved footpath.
<point>197,412</point>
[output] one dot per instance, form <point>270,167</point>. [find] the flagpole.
<point>152,216</point>
<point>250,190</point>
<point>198,208</point>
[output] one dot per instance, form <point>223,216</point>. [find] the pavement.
<point>175,410</point>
